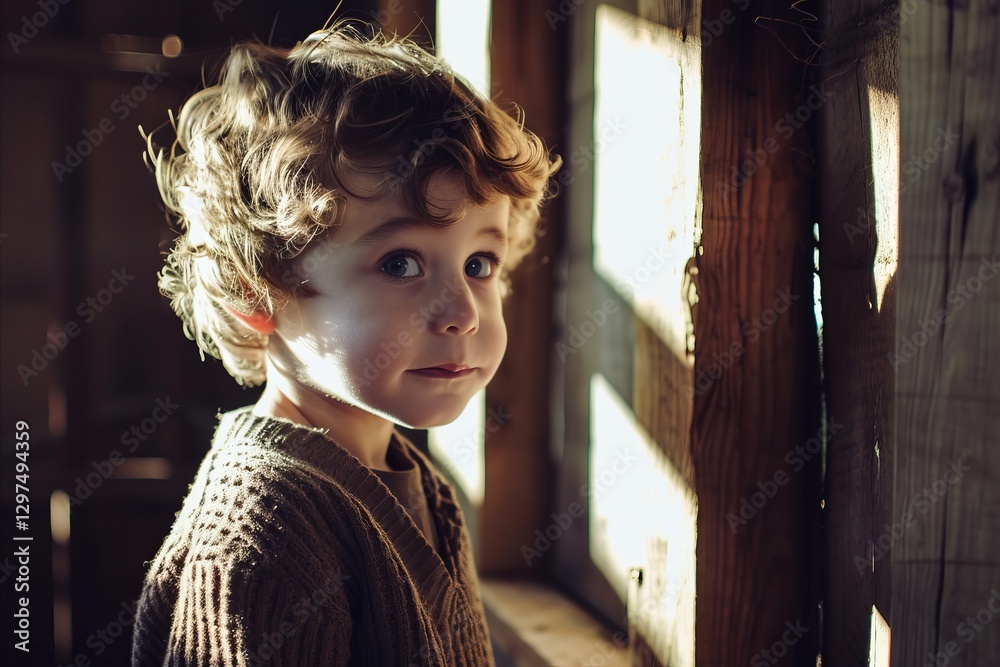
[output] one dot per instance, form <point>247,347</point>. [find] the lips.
<point>444,371</point>
<point>453,368</point>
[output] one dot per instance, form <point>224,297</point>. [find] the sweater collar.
<point>433,574</point>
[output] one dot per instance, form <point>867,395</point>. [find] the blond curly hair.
<point>261,163</point>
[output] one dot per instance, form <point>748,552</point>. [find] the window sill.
<point>533,625</point>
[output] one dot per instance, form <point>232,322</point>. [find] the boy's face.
<point>406,320</point>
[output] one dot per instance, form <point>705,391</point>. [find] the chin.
<point>431,418</point>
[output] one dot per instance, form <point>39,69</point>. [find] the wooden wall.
<point>946,566</point>
<point>908,228</point>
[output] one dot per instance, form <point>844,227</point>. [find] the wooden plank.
<point>535,626</point>
<point>754,584</point>
<point>946,567</point>
<point>859,69</point>
<point>662,398</point>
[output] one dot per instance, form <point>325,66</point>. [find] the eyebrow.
<point>387,229</point>
<point>394,225</point>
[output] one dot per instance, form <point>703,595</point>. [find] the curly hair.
<point>262,161</point>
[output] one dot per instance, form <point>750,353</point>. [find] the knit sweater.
<point>289,551</point>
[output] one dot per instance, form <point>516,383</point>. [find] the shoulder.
<point>253,505</point>
<point>256,497</point>
<point>236,594</point>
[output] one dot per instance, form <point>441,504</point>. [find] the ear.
<point>258,320</point>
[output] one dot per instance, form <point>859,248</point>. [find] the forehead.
<point>380,216</point>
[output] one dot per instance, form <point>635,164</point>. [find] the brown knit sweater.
<point>288,551</point>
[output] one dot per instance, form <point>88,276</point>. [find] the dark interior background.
<point>64,234</point>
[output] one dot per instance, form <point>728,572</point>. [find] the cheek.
<point>367,335</point>
<point>502,344</point>
<point>338,328</point>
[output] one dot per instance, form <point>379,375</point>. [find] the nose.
<point>454,309</point>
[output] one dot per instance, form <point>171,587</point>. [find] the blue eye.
<point>479,267</point>
<point>401,266</point>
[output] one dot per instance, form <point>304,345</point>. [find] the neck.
<point>360,432</point>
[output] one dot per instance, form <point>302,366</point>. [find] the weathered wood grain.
<point>859,68</point>
<point>946,567</point>
<point>756,243</point>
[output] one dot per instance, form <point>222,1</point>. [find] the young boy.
<point>348,211</point>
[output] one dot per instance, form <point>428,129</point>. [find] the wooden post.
<point>754,283</point>
<point>858,228</point>
<point>946,565</point>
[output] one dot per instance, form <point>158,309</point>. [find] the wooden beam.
<point>857,233</point>
<point>754,284</point>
